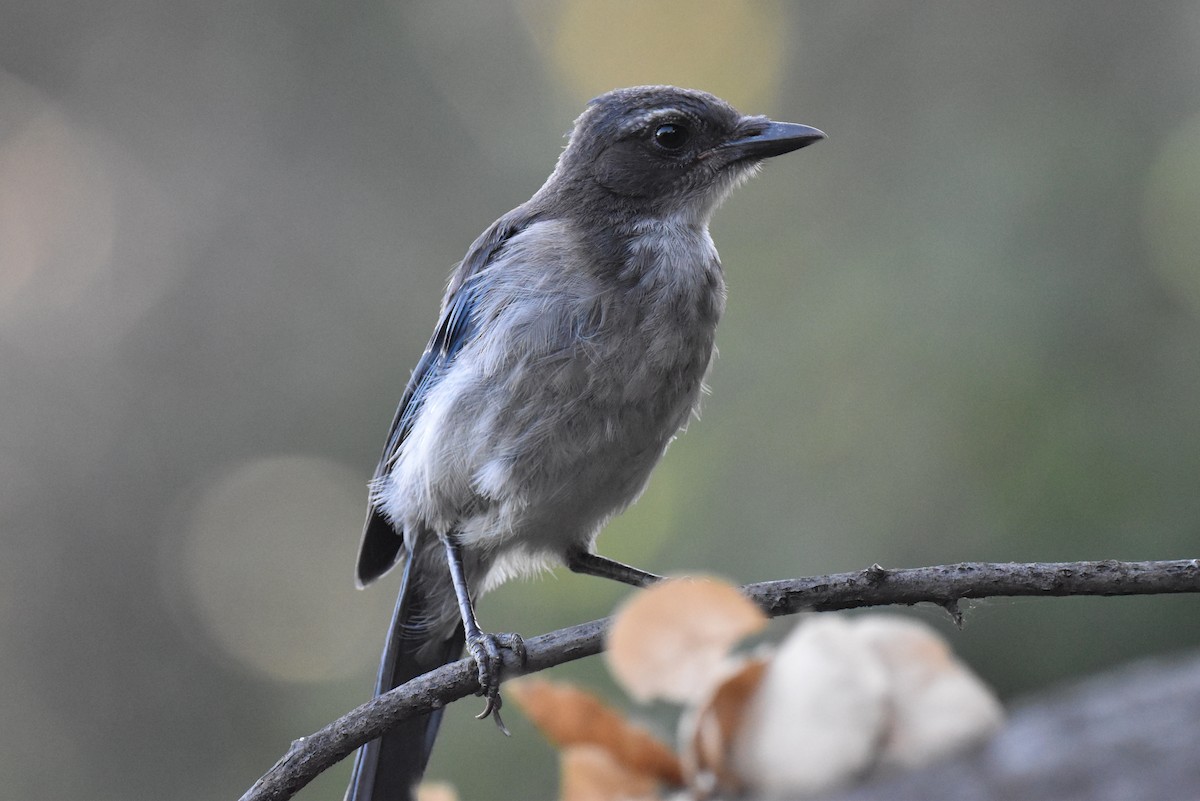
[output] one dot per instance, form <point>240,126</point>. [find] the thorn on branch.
<point>876,574</point>
<point>954,610</point>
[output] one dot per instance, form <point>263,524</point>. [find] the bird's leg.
<point>590,564</point>
<point>484,648</point>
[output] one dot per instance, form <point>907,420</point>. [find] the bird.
<point>571,348</point>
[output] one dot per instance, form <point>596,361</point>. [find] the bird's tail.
<point>389,768</point>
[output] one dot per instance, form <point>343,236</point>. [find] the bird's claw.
<point>485,650</point>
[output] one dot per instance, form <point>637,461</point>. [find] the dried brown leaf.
<point>818,715</point>
<point>937,704</point>
<point>843,697</point>
<point>708,732</point>
<point>436,791</point>
<point>589,773</point>
<point>670,641</point>
<point>569,716</point>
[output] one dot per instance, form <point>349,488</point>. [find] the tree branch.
<point>945,585</point>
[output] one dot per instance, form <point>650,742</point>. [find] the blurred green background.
<point>967,326</point>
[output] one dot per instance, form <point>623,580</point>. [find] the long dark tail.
<point>388,769</point>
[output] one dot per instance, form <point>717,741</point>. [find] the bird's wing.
<point>381,543</point>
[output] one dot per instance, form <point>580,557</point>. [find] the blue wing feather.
<point>456,329</point>
<point>381,543</point>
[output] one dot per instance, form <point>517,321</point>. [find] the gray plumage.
<point>571,348</point>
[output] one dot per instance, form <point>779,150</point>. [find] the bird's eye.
<point>671,136</point>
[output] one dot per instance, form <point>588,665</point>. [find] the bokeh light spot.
<point>71,203</point>
<point>267,568</point>
<point>733,48</point>
<point>1172,213</point>
<point>56,215</point>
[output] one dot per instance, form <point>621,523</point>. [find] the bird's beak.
<point>763,138</point>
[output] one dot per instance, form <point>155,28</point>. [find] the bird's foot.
<point>485,649</point>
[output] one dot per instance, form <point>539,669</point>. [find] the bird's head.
<point>665,150</point>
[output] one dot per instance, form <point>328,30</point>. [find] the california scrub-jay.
<point>570,350</point>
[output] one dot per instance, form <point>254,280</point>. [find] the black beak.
<point>766,138</point>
